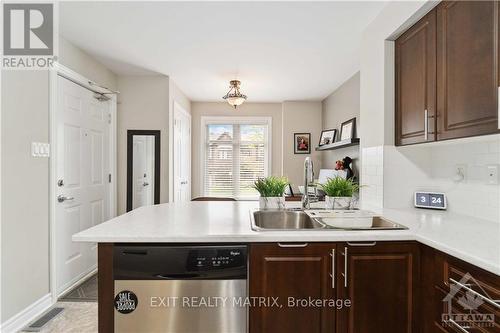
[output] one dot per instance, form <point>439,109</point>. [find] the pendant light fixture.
<point>234,97</point>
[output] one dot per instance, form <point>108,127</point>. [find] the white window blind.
<point>236,154</point>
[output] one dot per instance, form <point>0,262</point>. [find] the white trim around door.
<point>62,71</point>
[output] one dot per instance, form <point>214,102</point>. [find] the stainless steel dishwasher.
<point>180,289</point>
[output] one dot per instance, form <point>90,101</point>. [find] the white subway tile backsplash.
<point>494,147</point>
<point>493,199</point>
<point>391,174</point>
<point>372,176</point>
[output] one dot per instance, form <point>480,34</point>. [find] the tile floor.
<point>77,317</point>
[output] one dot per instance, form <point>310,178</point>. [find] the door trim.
<point>130,159</point>
<point>63,71</point>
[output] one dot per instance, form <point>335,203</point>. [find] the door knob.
<point>62,198</point>
<point>145,184</point>
<point>184,183</point>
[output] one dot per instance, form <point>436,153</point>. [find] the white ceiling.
<point>279,50</point>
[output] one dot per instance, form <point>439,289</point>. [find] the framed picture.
<point>302,143</point>
<point>348,129</point>
<point>327,137</point>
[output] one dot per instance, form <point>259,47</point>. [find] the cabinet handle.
<point>484,298</point>
<point>292,245</point>
<point>345,267</point>
<point>333,268</point>
<point>426,125</point>
<point>455,324</point>
<point>362,244</point>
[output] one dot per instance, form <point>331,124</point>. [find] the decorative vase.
<point>337,202</point>
<point>272,203</point>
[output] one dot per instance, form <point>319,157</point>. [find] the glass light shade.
<point>236,100</point>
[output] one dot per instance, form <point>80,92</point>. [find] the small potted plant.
<point>339,192</point>
<point>271,190</point>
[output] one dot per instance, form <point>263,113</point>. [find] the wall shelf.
<point>339,144</point>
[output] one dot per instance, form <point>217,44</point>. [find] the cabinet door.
<point>416,82</point>
<point>291,270</point>
<point>379,279</point>
<point>467,68</point>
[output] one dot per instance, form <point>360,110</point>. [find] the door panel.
<point>97,157</point>
<point>82,166</point>
<point>416,82</point>
<point>182,155</point>
<point>298,272</point>
<point>379,281</point>
<point>467,68</point>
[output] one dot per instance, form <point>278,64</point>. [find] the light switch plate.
<point>40,149</point>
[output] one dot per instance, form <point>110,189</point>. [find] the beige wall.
<point>25,214</point>
<point>143,103</point>
<point>300,117</point>
<point>199,109</point>
<point>81,62</point>
<point>339,106</point>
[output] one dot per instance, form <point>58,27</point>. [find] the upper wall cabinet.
<point>467,68</point>
<point>447,74</point>
<point>416,82</point>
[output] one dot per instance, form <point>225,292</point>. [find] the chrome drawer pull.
<point>426,125</point>
<point>362,244</point>
<point>345,267</point>
<point>455,324</point>
<point>484,298</point>
<point>333,268</point>
<point>292,245</point>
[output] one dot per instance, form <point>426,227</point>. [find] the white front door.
<point>182,154</point>
<point>143,170</point>
<point>82,177</point>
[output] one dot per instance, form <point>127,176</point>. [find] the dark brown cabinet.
<point>416,82</point>
<point>467,67</point>
<point>447,73</point>
<point>291,270</point>
<point>456,296</point>
<point>378,279</point>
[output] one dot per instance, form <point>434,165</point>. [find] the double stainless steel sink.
<point>286,220</point>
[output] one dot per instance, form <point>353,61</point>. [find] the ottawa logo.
<point>126,302</point>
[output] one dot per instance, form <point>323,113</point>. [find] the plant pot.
<point>272,203</point>
<point>337,202</point>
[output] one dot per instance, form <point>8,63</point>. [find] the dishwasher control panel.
<point>215,258</point>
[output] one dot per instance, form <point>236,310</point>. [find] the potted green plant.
<point>271,190</point>
<point>339,192</point>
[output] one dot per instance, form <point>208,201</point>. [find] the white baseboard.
<point>23,318</point>
<point>76,281</point>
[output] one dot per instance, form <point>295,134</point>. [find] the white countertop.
<point>472,240</point>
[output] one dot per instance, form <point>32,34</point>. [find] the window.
<point>236,153</point>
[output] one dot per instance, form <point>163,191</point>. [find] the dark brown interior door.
<point>467,68</point>
<point>416,82</point>
<point>291,270</point>
<point>379,279</point>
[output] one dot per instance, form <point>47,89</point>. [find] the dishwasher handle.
<point>178,276</point>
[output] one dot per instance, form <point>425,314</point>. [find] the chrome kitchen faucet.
<point>308,178</point>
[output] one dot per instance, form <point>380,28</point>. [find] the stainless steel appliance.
<point>176,289</point>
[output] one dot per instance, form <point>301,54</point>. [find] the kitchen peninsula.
<point>435,246</point>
